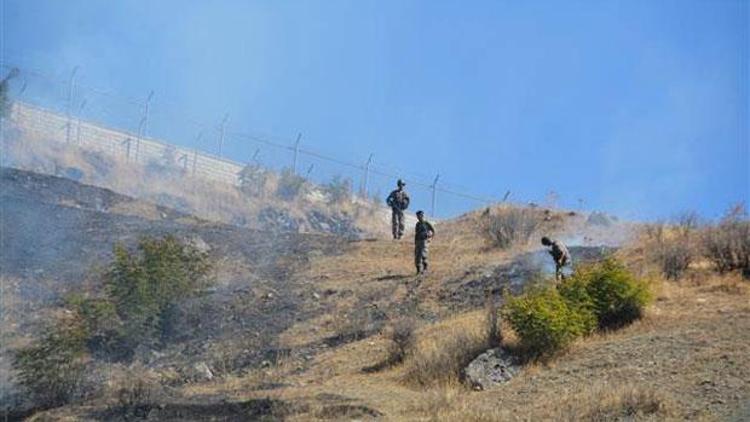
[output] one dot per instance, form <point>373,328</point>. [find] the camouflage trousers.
<point>397,223</point>
<point>421,254</point>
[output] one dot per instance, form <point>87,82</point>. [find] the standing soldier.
<point>559,253</point>
<point>398,200</point>
<point>423,233</point>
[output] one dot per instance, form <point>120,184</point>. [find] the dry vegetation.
<point>686,358</point>
<point>169,185</point>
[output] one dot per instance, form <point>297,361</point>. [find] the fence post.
<point>363,192</point>
<point>195,149</point>
<point>69,107</point>
<point>507,195</point>
<point>143,125</point>
<point>222,129</point>
<point>296,152</point>
<point>78,126</point>
<point>434,193</point>
<point>195,160</point>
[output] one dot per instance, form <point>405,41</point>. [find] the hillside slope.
<point>297,325</point>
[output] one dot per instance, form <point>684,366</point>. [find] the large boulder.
<point>491,369</point>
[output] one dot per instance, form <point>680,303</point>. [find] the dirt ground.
<point>688,358</point>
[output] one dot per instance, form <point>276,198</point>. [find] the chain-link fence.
<point>63,108</point>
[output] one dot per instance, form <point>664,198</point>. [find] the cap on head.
<point>420,212</point>
<point>546,241</point>
<point>401,183</point>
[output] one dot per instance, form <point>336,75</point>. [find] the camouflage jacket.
<point>423,231</point>
<point>398,199</point>
<point>559,252</point>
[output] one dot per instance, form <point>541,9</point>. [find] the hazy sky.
<point>640,108</point>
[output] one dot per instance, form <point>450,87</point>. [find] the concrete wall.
<point>40,124</point>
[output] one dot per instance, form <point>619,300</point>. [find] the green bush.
<point>609,291</point>
<point>145,285</point>
<point>52,367</point>
<point>544,321</point>
<point>142,288</point>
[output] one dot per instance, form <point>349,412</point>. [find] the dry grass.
<point>688,358</point>
<point>208,199</point>
<point>597,402</point>
<point>443,350</point>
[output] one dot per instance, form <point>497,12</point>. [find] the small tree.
<point>144,286</point>
<point>608,290</point>
<point>544,321</point>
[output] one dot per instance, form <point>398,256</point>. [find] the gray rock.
<point>200,372</point>
<point>491,369</point>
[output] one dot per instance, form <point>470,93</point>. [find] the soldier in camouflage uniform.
<point>423,233</point>
<point>559,253</point>
<point>398,200</point>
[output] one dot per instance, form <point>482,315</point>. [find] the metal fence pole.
<point>363,192</point>
<point>195,150</point>
<point>434,193</point>
<point>69,106</point>
<point>296,152</point>
<point>78,126</point>
<point>222,130</point>
<point>142,127</point>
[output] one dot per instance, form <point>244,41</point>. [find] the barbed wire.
<point>375,168</point>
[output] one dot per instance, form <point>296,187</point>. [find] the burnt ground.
<point>56,235</point>
<point>468,291</point>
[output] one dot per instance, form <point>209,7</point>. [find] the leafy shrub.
<point>142,287</point>
<point>253,180</point>
<point>510,226</point>
<point>609,291</point>
<point>544,322</point>
<point>339,189</point>
<point>145,285</point>
<point>727,245</point>
<point>103,326</point>
<point>290,185</point>
<point>52,367</point>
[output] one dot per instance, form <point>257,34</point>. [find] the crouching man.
<point>560,255</point>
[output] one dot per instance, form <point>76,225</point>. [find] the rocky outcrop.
<point>491,369</point>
